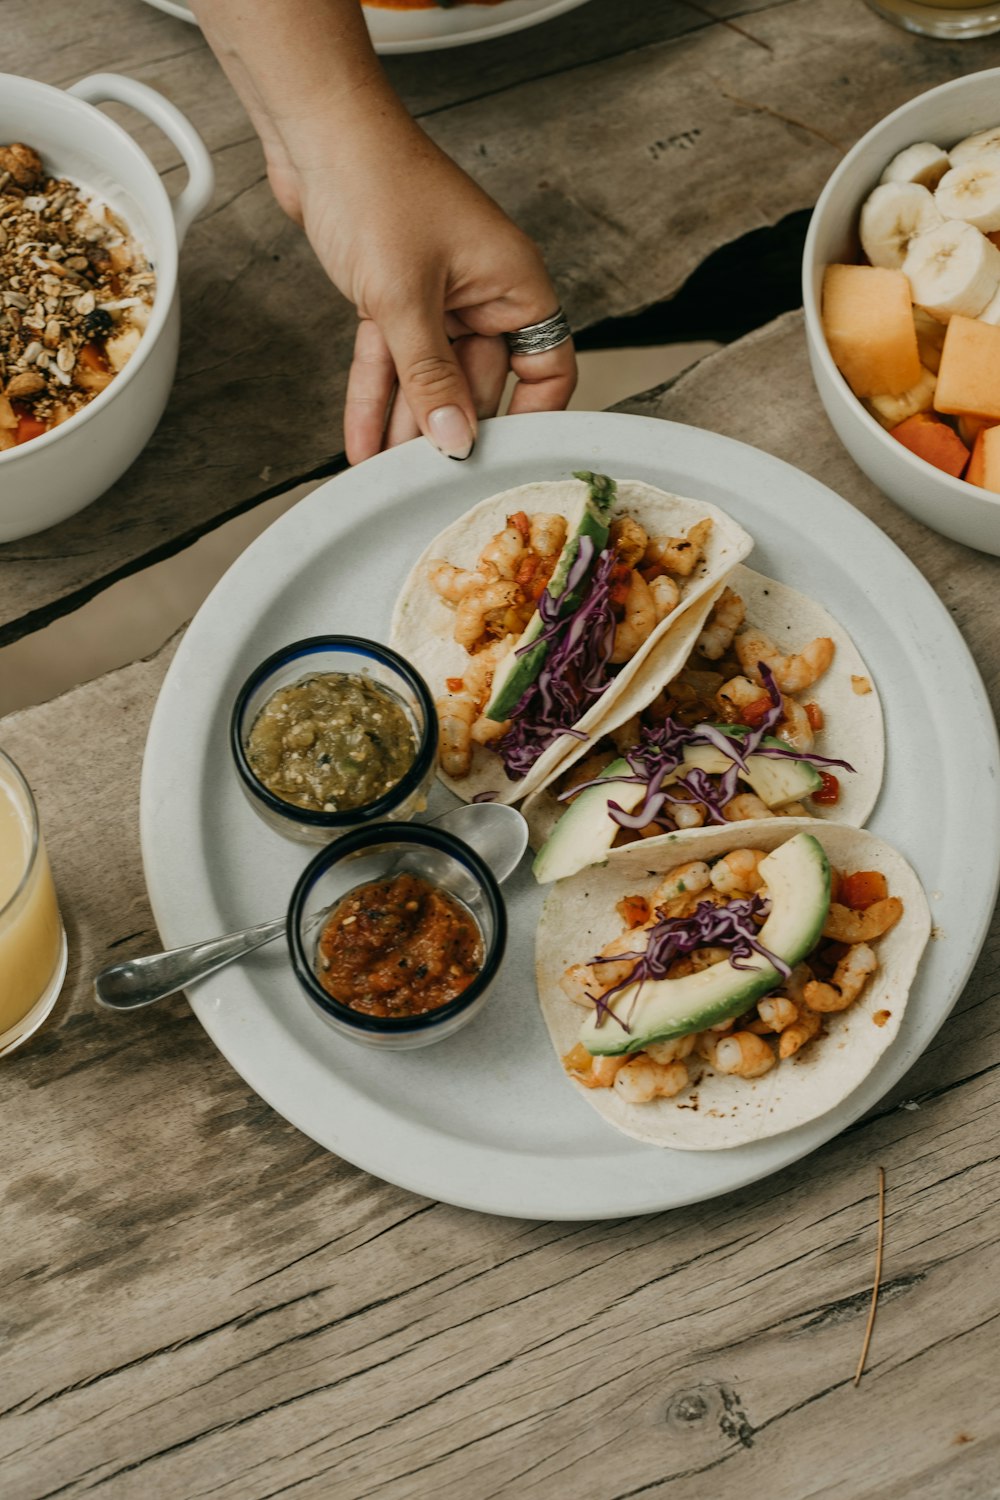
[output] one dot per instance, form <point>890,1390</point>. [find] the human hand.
<point>438,274</point>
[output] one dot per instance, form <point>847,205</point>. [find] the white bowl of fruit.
<point>901,289</point>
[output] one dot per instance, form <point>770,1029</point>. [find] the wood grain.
<point>621,136</point>
<point>199,1301</point>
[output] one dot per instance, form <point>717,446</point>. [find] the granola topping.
<point>76,291</point>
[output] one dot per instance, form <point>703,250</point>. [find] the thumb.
<point>432,381</point>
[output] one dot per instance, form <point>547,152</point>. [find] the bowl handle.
<point>100,87</point>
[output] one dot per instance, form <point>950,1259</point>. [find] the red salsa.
<point>398,947</point>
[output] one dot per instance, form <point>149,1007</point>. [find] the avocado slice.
<point>586,831</point>
<point>593,520</point>
<point>797,875</point>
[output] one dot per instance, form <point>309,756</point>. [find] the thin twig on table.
<point>878,1275</point>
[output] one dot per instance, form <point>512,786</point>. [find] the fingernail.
<point>449,430</point>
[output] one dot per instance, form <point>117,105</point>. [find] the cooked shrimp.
<point>472,614</point>
<point>736,694</point>
<point>744,807</point>
<point>680,554</point>
<point>478,675</point>
<point>629,540</point>
<point>638,623</point>
<point>707,1041</point>
<point>641,1080</point>
<point>503,551</point>
<point>592,1072</point>
<point>487,731</point>
<point>686,880</point>
<point>793,673</point>
<point>456,712</point>
<point>665,595</point>
<point>453,583</point>
<point>547,535</point>
<point>575,983</point>
<point>795,727</point>
<point>794,1037</point>
<point>728,614</point>
<point>744,1055</point>
<point>844,925</point>
<point>737,871</point>
<point>693,963</point>
<point>672,1051</point>
<point>777,1012</point>
<point>849,978</point>
<point>687,814</point>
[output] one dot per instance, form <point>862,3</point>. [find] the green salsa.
<point>331,742</point>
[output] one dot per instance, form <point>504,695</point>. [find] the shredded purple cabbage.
<point>661,750</point>
<point>576,670</point>
<point>733,926</point>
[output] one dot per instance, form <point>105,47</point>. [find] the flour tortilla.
<point>853,728</point>
<point>719,1111</point>
<point>423,623</point>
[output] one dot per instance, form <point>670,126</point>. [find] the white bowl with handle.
<point>56,474</point>
<point>945,116</point>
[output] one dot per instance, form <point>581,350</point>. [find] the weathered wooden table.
<point>197,1299</point>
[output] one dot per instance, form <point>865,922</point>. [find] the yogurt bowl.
<point>945,116</point>
<point>59,472</point>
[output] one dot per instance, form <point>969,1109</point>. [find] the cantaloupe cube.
<point>934,441</point>
<point>868,322</point>
<point>969,373</point>
<point>987,452</point>
<point>969,429</point>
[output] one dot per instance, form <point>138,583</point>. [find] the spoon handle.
<point>140,981</point>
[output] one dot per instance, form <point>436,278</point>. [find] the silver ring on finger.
<point>539,338</point>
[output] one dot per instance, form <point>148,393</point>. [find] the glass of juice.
<point>32,939</point>
<point>952,20</point>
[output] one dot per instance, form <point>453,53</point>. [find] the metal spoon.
<point>498,834</point>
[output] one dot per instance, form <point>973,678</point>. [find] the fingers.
<point>485,363</point>
<point>545,382</point>
<point>431,379</point>
<point>370,385</point>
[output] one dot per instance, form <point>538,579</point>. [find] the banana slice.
<point>952,269</point>
<point>979,147</point>
<point>893,215</point>
<point>989,314</point>
<point>891,410</point>
<point>930,338</point>
<point>972,193</point>
<point>923,163</point>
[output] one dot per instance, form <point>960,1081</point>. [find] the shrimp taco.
<point>773,713</point>
<point>534,612</point>
<point>717,990</point>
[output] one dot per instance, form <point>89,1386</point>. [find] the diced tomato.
<point>633,910</point>
<point>454,684</point>
<point>815,716</point>
<point>520,520</point>
<point>541,579</point>
<point>829,792</point>
<point>752,714</point>
<point>526,569</point>
<point>29,427</point>
<point>653,570</point>
<point>863,889</point>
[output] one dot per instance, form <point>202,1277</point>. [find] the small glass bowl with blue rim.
<point>377,853</point>
<point>337,654</point>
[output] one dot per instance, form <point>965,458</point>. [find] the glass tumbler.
<point>32,939</point>
<point>951,20</point>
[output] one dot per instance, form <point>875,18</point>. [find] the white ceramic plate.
<point>485,1120</point>
<point>427,30</point>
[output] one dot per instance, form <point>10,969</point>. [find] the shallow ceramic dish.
<point>484,1119</point>
<point>943,115</point>
<point>428,30</point>
<point>54,476</point>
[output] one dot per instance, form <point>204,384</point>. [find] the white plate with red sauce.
<point>426,27</point>
<point>485,1119</point>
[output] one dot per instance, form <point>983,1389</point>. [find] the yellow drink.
<point>32,942</point>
